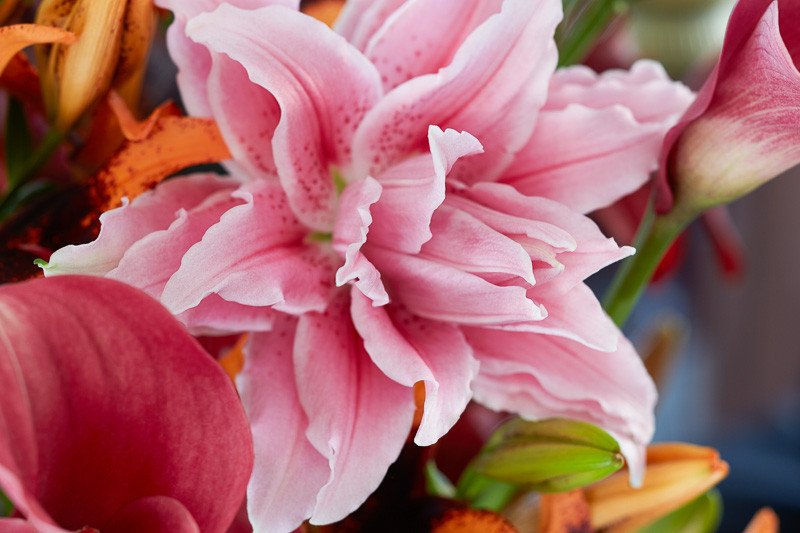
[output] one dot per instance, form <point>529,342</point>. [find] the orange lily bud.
<point>113,42</point>
<point>765,521</point>
<point>676,474</point>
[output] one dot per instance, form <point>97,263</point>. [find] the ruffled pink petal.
<point>360,19</point>
<point>442,292</point>
<point>646,90</point>
<point>586,158</point>
<point>409,349</point>
<point>575,315</point>
<point>464,242</point>
<point>255,255</point>
<point>104,398</point>
<point>414,189</point>
<point>350,233</point>
<point>323,92</point>
<point>152,260</point>
<point>154,514</point>
<point>493,89</point>
<point>193,60</point>
<point>411,42</point>
<point>579,247</point>
<point>288,471</point>
<point>122,227</point>
<point>539,376</point>
<point>358,417</point>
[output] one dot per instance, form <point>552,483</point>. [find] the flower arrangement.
<point>357,251</point>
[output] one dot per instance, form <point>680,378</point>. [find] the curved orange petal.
<point>173,144</point>
<point>472,521</point>
<point>15,38</point>
<point>765,521</point>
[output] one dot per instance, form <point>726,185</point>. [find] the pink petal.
<point>586,158</point>
<point>193,60</point>
<point>316,124</point>
<point>466,243</point>
<point>103,397</point>
<point>575,315</point>
<point>215,316</point>
<point>414,189</point>
<point>493,89</point>
<point>646,90</point>
<point>288,471</point>
<point>247,122</point>
<point>360,19</point>
<point>539,376</point>
<point>254,256</point>
<point>350,233</point>
<point>122,227</point>
<point>410,43</point>
<point>441,292</point>
<point>152,260</point>
<point>409,349</point>
<point>358,418</point>
<point>742,129</point>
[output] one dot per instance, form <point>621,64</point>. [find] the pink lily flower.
<point>744,127</point>
<point>113,418</point>
<point>405,205</point>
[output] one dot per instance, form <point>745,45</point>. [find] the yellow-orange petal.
<point>472,521</point>
<point>676,474</point>
<point>764,521</point>
<point>138,130</point>
<point>15,38</point>
<point>173,144</point>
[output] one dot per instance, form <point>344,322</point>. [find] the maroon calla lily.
<point>744,127</point>
<point>112,417</point>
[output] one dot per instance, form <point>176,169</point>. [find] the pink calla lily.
<point>396,214</point>
<point>744,127</point>
<point>112,417</point>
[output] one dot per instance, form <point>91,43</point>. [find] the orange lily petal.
<point>472,521</point>
<point>233,361</point>
<point>565,512</point>
<point>173,144</point>
<point>676,474</point>
<point>135,130</point>
<point>765,521</point>
<point>15,38</point>
<point>324,10</point>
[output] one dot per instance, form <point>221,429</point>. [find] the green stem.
<point>52,140</point>
<point>655,235</point>
<point>586,23</point>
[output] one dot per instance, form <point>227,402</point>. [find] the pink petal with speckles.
<point>316,125</point>
<point>493,89</point>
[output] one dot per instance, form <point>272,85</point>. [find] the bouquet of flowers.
<point>341,286</point>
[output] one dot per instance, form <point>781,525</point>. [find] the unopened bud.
<point>550,456</point>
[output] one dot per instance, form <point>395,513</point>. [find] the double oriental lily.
<point>405,205</point>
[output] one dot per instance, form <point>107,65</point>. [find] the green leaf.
<point>701,515</point>
<point>18,143</point>
<point>483,492</point>
<point>437,483</point>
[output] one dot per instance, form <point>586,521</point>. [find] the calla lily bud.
<point>676,474</point>
<point>550,456</point>
<point>113,41</point>
<point>744,127</point>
